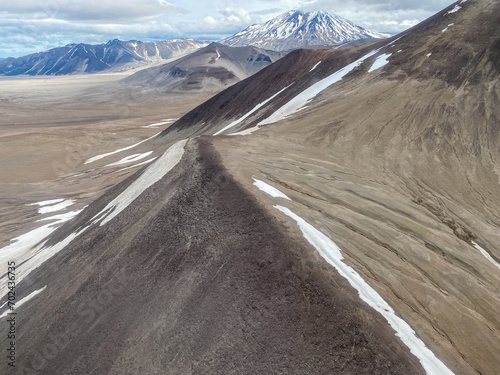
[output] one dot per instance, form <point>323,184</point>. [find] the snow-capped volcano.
<point>297,29</point>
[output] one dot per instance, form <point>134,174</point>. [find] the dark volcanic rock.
<point>194,277</point>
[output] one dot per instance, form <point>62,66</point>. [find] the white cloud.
<point>29,26</point>
<point>409,22</point>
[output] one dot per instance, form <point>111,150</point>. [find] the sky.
<point>29,26</point>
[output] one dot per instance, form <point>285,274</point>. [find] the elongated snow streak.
<point>308,94</point>
<point>260,105</point>
<point>486,255</point>
<point>151,175</point>
<point>380,62</point>
<point>332,254</point>
<point>268,189</point>
<point>24,300</point>
<point>130,159</point>
<point>135,165</point>
<point>315,66</point>
<point>120,150</point>
<point>46,203</point>
<point>56,207</point>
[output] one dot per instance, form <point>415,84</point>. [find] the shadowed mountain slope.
<point>210,69</point>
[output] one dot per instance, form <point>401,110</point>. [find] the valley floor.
<point>49,126</point>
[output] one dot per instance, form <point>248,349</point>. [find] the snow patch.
<point>486,255</point>
<point>24,300</point>
<point>45,203</point>
<point>130,159</point>
<point>332,254</point>
<point>151,175</point>
<point>268,189</point>
<point>260,105</point>
<point>120,150</point>
<point>56,207</point>
<point>429,54</point>
<point>314,67</point>
<point>455,9</point>
<point>446,28</point>
<point>380,62</point>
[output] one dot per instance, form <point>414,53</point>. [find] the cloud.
<point>29,26</point>
<point>265,12</point>
<point>90,10</point>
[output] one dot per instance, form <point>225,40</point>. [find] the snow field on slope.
<point>25,248</point>
<point>52,205</point>
<point>455,9</point>
<point>380,61</point>
<point>46,203</point>
<point>272,191</point>
<point>308,94</point>
<point>56,207</point>
<point>256,108</point>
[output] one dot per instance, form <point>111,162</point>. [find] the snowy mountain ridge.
<point>86,58</point>
<point>297,29</point>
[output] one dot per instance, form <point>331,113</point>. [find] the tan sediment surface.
<point>49,126</point>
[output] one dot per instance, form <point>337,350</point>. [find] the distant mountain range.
<point>211,68</point>
<point>289,31</point>
<point>297,29</point>
<point>85,58</point>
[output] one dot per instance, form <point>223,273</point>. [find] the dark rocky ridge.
<point>195,277</point>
